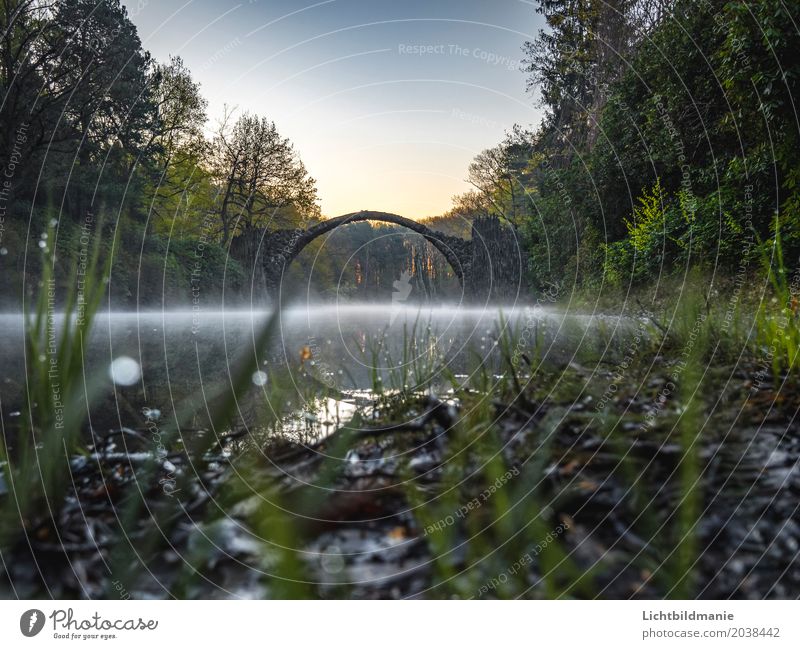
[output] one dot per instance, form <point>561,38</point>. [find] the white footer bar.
<point>401,625</point>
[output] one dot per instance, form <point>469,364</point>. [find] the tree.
<point>457,221</point>
<point>180,186</point>
<point>29,112</point>
<point>583,51</point>
<point>501,176</point>
<point>559,62</point>
<point>260,176</point>
<point>95,72</point>
<point>180,111</point>
<point>759,63</point>
<point>103,71</point>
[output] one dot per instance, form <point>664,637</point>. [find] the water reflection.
<point>339,350</point>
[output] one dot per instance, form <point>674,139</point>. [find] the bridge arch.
<point>451,247</point>
<point>488,266</point>
<point>282,246</point>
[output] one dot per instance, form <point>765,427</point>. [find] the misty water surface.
<point>190,354</point>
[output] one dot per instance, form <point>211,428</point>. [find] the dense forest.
<point>640,167</point>
<point>670,141</point>
<point>98,135</point>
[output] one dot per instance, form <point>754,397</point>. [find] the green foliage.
<point>674,156</point>
<point>57,394</point>
<point>92,125</point>
<point>778,319</point>
<point>652,231</point>
<point>649,218</point>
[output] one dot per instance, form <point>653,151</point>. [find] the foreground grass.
<point>628,470</point>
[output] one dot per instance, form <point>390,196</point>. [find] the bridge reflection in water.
<point>488,265</point>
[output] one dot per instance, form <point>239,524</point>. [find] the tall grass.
<point>465,554</point>
<point>57,393</point>
<point>778,319</point>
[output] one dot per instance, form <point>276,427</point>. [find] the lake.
<point>159,359</point>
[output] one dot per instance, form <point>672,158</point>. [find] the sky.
<point>386,101</point>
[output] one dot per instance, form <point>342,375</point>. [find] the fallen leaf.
<point>397,533</point>
<point>569,468</point>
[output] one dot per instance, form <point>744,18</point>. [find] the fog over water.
<point>185,354</point>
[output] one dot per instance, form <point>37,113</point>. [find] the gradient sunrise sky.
<point>387,101</point>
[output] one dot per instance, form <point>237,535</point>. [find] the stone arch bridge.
<point>488,265</point>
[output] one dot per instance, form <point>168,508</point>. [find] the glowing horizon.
<point>386,104</point>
